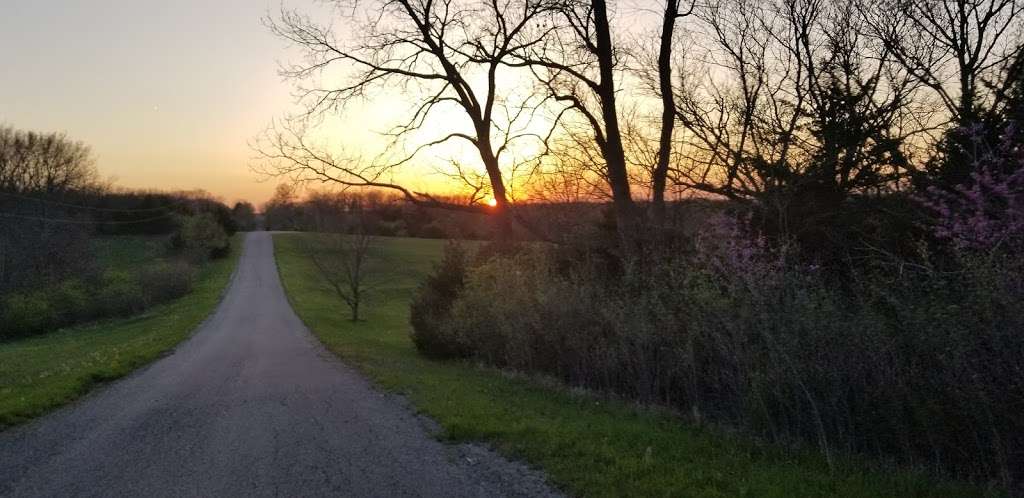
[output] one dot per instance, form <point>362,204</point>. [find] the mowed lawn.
<point>587,445</point>
<point>43,372</point>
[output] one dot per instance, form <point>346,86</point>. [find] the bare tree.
<point>659,176</point>
<point>959,50</point>
<point>344,261</point>
<point>794,96</point>
<point>433,49</point>
<point>794,109</point>
<point>38,172</point>
<point>576,64</point>
<point>953,47</point>
<point>43,163</point>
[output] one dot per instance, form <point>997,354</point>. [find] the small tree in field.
<point>344,261</point>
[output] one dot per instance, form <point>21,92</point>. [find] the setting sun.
<point>265,216</point>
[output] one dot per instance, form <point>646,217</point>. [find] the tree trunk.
<point>614,154</point>
<point>503,217</point>
<point>660,173</point>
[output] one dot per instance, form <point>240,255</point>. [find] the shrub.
<point>166,281</point>
<point>923,366</point>
<point>34,254</point>
<point>200,237</point>
<point>25,314</point>
<point>985,210</point>
<point>119,295</point>
<point>432,305</point>
<point>517,312</point>
<point>115,293</point>
<point>432,230</point>
<point>71,302</point>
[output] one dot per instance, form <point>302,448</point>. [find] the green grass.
<point>129,253</point>
<point>40,373</point>
<point>588,446</point>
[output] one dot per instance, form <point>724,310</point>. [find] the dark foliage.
<point>890,366</point>
<point>973,138</point>
<point>200,237</point>
<point>110,294</point>
<point>431,308</point>
<point>52,207</point>
<point>243,215</point>
<point>379,214</point>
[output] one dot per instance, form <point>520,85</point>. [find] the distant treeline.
<point>47,177</point>
<point>44,236</point>
<point>117,212</point>
<point>374,212</point>
<point>53,212</point>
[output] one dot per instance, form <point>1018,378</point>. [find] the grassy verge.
<point>588,446</point>
<point>40,373</point>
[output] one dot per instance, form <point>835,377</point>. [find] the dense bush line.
<point>114,293</point>
<point>919,364</point>
<point>884,322</point>
<point>97,293</point>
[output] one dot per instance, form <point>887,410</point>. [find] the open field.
<point>43,372</point>
<point>588,445</point>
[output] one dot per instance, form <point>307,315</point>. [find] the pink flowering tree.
<point>729,246</point>
<point>987,212</point>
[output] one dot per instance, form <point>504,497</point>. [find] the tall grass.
<point>920,366</point>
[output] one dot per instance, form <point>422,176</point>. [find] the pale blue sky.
<point>166,92</point>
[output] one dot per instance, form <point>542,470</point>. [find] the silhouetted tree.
<point>659,177</point>
<point>34,162</point>
<point>244,215</point>
<point>434,49</point>
<point>577,64</point>
<point>955,48</point>
<point>279,212</point>
<point>801,112</point>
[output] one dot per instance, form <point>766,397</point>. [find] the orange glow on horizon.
<point>492,202</point>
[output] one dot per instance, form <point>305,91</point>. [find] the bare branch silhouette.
<point>448,51</point>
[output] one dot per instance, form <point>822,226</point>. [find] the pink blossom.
<point>988,211</point>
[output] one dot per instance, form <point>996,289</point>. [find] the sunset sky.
<point>168,94</point>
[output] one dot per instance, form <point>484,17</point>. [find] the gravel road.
<point>251,405</point>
